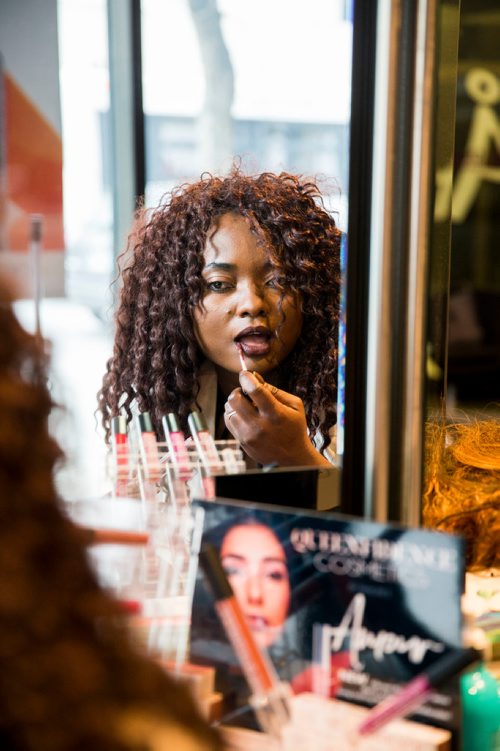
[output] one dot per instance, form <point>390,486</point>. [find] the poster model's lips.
<point>257,622</point>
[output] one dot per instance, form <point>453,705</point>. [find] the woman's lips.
<point>257,622</point>
<point>255,346</point>
<point>255,341</point>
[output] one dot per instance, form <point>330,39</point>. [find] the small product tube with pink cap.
<point>148,446</point>
<point>120,449</point>
<point>178,464</point>
<point>414,693</point>
<point>207,452</point>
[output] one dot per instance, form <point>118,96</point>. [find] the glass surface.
<point>474,314</point>
<point>84,82</point>
<point>275,95</point>
<point>267,84</point>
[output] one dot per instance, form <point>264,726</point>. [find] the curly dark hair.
<point>156,357</point>
<point>68,673</point>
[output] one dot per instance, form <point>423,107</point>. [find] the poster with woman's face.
<point>255,563</point>
<point>344,607</point>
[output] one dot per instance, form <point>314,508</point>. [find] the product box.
<point>346,608</point>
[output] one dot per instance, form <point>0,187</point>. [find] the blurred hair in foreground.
<point>462,487</point>
<point>69,677</point>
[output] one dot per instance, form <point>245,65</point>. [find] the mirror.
<point>276,110</point>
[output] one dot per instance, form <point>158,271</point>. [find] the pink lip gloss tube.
<point>148,446</point>
<point>178,453</point>
<point>120,453</point>
<point>207,452</point>
<point>178,465</point>
<point>417,690</point>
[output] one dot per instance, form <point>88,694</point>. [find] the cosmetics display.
<point>170,471</point>
<point>317,724</point>
<point>346,609</point>
<point>290,615</point>
<point>149,564</point>
<point>152,570</point>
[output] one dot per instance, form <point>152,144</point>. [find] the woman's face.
<point>242,304</point>
<point>255,564</point>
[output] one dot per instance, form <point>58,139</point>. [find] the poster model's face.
<point>255,563</point>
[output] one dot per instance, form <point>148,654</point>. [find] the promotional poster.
<point>346,608</point>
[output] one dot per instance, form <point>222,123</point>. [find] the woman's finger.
<point>264,395</point>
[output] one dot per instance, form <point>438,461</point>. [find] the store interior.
<point>380,544</point>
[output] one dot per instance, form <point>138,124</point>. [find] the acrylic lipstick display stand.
<point>151,492</point>
<point>161,476</point>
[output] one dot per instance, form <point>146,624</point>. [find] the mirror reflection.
<point>223,104</point>
<point>229,306</point>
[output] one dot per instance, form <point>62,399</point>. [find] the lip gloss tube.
<point>178,453</point>
<point>207,452</point>
<point>178,465</point>
<point>269,696</point>
<point>417,690</point>
<point>120,453</point>
<point>148,446</point>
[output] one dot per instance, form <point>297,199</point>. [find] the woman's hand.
<point>270,424</point>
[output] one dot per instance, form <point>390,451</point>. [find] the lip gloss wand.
<point>269,695</point>
<point>241,356</point>
<point>418,689</point>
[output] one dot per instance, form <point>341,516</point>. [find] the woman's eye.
<point>232,570</point>
<point>218,286</point>
<point>277,576</point>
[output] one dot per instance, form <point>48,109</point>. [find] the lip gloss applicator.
<point>269,695</point>
<point>418,689</point>
<point>241,356</point>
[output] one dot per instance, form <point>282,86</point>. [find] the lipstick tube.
<point>178,467</point>
<point>269,696</point>
<point>148,446</point>
<point>418,689</point>
<point>207,452</point>
<point>120,453</point>
<point>178,453</point>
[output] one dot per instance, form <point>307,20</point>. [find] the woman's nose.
<point>254,589</point>
<point>252,301</point>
